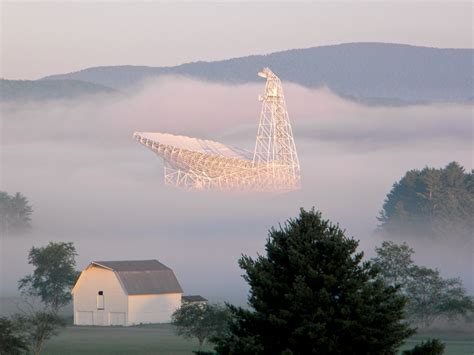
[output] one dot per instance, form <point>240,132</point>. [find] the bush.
<point>201,321</point>
<point>12,339</point>
<point>430,347</point>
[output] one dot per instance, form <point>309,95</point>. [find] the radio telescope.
<point>197,164</point>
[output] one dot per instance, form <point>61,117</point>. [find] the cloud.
<point>91,183</point>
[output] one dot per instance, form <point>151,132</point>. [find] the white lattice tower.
<point>275,144</point>
<point>197,164</point>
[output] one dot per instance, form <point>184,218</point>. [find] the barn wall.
<point>93,280</point>
<point>152,308</point>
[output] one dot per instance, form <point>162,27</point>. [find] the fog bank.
<point>89,182</point>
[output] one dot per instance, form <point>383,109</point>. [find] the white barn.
<point>125,293</point>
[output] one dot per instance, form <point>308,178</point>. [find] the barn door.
<point>99,317</point>
<point>117,318</point>
<point>84,318</point>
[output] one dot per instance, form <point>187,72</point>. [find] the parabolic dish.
<point>196,145</point>
<point>199,164</point>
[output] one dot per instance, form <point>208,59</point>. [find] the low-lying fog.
<point>89,181</point>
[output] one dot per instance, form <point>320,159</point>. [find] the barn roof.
<point>143,277</point>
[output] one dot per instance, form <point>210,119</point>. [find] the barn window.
<point>100,300</point>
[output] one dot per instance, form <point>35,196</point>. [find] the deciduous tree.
<point>15,213</point>
<point>54,274</point>
<point>429,295</point>
<point>395,262</point>
<point>39,327</point>
<point>202,321</point>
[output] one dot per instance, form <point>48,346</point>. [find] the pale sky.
<point>42,38</point>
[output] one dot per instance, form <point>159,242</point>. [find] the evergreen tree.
<point>312,293</point>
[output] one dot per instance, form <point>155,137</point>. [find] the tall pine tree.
<point>312,293</point>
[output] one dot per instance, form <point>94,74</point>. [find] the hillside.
<point>374,73</point>
<point>37,90</point>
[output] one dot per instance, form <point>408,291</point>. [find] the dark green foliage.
<point>39,327</point>
<point>429,295</point>
<point>430,347</point>
<point>312,293</point>
<point>200,320</point>
<point>431,203</point>
<point>15,213</point>
<point>54,274</point>
<point>12,339</point>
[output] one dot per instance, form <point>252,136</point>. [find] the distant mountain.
<point>370,73</point>
<point>367,72</point>
<point>37,90</point>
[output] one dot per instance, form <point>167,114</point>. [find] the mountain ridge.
<point>366,72</point>
<point>49,77</point>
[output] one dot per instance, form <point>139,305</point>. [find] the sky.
<point>42,38</point>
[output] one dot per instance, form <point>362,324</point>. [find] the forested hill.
<point>370,72</point>
<point>38,90</point>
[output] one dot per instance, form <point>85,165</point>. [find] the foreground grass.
<point>161,339</point>
<point>152,339</point>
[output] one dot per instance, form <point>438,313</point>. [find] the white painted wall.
<point>93,280</point>
<point>152,308</point>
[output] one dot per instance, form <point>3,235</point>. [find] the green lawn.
<point>160,339</point>
<point>153,339</point>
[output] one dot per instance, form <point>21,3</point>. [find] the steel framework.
<point>196,164</point>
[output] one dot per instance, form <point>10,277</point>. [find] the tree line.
<point>312,292</point>
<point>430,203</point>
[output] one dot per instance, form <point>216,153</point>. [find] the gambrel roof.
<point>143,277</point>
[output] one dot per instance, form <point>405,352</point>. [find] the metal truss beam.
<point>274,167</point>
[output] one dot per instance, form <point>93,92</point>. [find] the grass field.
<point>160,339</point>
<point>155,339</point>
